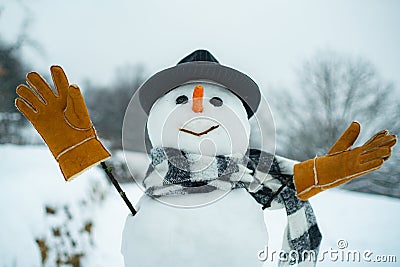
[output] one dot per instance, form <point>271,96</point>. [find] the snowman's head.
<point>200,117</point>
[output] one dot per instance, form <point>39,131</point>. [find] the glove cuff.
<point>80,157</point>
<point>306,180</point>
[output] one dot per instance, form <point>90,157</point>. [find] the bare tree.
<point>107,104</point>
<point>12,73</point>
<point>333,91</point>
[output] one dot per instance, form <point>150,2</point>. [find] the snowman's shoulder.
<point>286,165</point>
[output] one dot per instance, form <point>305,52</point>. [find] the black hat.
<point>200,65</point>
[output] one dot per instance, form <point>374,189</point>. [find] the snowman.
<point>210,176</point>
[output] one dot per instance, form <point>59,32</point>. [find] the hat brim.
<point>166,80</point>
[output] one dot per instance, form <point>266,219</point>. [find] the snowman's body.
<point>229,232</point>
<point>217,228</point>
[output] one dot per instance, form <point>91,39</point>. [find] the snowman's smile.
<point>200,133</point>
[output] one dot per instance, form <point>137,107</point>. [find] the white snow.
<point>30,179</point>
<point>173,233</point>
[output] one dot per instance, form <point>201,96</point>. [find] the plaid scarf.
<point>175,172</point>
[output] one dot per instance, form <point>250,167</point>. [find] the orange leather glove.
<point>62,120</point>
<point>342,163</point>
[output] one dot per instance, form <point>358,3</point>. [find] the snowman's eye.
<point>216,101</point>
<point>181,99</point>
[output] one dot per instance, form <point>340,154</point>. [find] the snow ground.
<point>30,179</point>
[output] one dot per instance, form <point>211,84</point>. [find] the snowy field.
<point>30,181</point>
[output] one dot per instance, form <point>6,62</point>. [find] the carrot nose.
<point>198,94</point>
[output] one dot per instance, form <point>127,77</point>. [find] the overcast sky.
<point>265,39</point>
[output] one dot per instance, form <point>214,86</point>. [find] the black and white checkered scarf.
<point>174,172</point>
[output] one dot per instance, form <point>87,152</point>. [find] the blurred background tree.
<point>107,104</point>
<point>333,91</point>
<point>12,73</point>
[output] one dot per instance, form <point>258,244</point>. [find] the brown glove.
<point>62,120</point>
<point>342,163</point>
